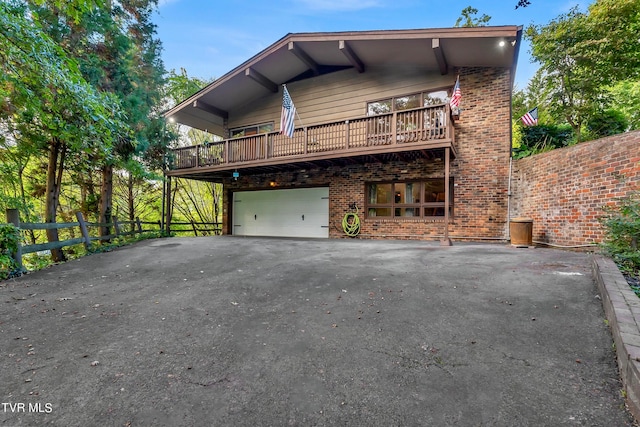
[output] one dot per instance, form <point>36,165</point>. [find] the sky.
<point>210,38</point>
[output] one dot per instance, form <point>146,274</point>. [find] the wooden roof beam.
<point>351,56</point>
<point>442,61</point>
<point>304,57</point>
<point>260,79</point>
<point>201,105</point>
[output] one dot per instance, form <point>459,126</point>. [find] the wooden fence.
<point>135,227</point>
<point>13,217</point>
<point>195,228</point>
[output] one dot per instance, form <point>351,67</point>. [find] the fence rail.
<point>13,218</point>
<point>136,227</point>
<point>194,227</point>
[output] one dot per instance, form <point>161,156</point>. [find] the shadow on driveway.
<point>261,331</point>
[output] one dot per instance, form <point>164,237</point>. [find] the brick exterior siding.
<point>564,190</point>
<point>480,172</point>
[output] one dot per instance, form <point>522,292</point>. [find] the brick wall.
<point>483,141</point>
<point>564,190</point>
<point>480,172</point>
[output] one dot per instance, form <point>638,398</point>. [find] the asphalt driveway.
<point>231,331</point>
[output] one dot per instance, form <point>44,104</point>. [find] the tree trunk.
<point>23,198</point>
<point>92,208</point>
<point>106,198</point>
<point>57,152</point>
<point>216,203</point>
<point>130,200</point>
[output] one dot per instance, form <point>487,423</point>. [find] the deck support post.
<point>446,241</point>
<point>167,223</point>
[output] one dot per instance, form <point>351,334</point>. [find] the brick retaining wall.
<point>564,190</point>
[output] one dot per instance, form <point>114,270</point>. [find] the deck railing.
<point>392,129</point>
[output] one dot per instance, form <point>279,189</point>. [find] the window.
<point>407,102</point>
<point>251,130</point>
<point>379,107</point>
<point>436,97</point>
<point>408,199</point>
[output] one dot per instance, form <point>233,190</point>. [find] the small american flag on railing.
<point>288,116</point>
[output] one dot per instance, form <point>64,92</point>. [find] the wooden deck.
<point>408,130</point>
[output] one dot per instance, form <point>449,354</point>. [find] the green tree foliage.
<point>589,65</point>
<point>606,123</point>
<point>541,138</point>
<point>191,200</point>
<point>118,54</point>
<point>197,201</point>
<point>625,97</point>
<point>44,96</point>
<point>9,239</point>
<point>179,86</point>
<point>572,90</point>
<point>622,227</point>
<point>468,18</point>
<point>612,48</point>
<point>47,104</point>
<point>80,98</point>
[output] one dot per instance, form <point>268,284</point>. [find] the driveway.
<point>224,331</point>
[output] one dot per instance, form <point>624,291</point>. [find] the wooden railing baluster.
<point>390,129</point>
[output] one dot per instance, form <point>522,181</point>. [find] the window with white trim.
<point>251,130</point>
<point>407,102</point>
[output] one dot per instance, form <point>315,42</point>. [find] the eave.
<point>306,55</point>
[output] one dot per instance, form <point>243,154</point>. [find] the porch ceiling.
<point>304,165</point>
<point>304,55</point>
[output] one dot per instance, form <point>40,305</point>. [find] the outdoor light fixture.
<point>236,174</point>
<point>502,43</point>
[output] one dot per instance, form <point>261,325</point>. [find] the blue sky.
<point>209,38</point>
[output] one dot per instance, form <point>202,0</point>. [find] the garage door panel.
<point>300,212</point>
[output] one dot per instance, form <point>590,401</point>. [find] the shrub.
<point>541,138</point>
<point>606,123</point>
<point>9,239</point>
<point>622,233</point>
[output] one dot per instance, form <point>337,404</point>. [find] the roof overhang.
<point>305,55</point>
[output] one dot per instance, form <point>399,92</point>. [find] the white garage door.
<point>298,212</point>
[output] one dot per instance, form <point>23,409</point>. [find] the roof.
<point>304,55</point>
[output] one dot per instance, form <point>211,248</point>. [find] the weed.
<point>9,240</point>
<point>622,236</point>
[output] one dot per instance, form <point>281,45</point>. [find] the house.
<point>374,135</point>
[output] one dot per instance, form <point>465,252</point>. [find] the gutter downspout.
<point>507,232</point>
<point>514,67</point>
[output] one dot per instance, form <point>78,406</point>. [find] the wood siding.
<point>339,96</point>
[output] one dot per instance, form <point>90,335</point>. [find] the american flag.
<point>531,118</point>
<point>288,115</point>
<point>456,95</point>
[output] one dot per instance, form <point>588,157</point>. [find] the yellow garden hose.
<point>351,223</point>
